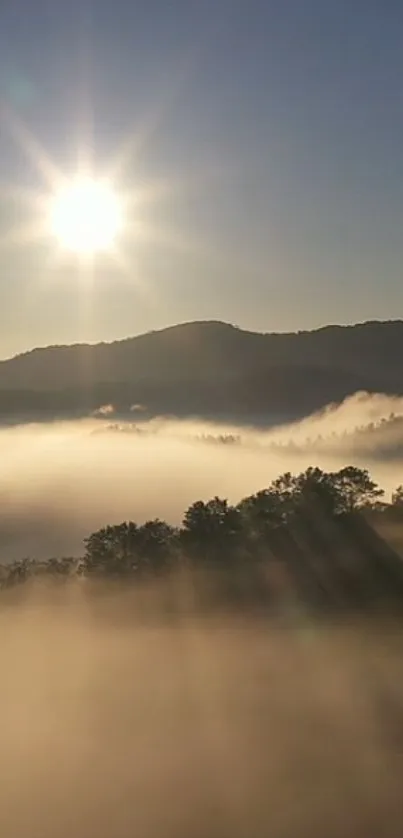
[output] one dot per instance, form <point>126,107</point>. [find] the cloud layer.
<point>60,481</point>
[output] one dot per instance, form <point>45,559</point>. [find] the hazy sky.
<point>267,134</point>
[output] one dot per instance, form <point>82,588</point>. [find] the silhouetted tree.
<point>261,513</point>
<point>212,530</point>
<point>317,488</point>
<point>156,544</point>
<point>19,571</point>
<point>307,522</point>
<point>397,497</point>
<point>355,489</point>
<point>128,548</point>
<point>112,549</point>
<point>58,567</point>
<point>337,492</point>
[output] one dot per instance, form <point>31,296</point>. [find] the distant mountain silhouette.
<point>209,369</point>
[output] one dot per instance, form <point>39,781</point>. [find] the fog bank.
<point>60,481</point>
<point>117,727</point>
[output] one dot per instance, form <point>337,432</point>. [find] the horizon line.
<point>181,324</point>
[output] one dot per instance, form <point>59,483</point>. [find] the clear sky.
<point>267,135</point>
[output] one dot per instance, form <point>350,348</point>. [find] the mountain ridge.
<point>220,323</point>
<point>207,368</point>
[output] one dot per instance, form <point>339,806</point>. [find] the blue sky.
<point>276,128</point>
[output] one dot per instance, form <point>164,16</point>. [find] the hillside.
<point>207,368</point>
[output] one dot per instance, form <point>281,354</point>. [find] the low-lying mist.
<point>117,726</point>
<point>60,481</point>
<point>160,709</point>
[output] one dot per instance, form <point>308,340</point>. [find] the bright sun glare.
<point>86,216</point>
<point>87,213</point>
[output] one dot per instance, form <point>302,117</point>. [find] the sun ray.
<point>24,234</point>
<point>130,271</point>
<point>87,233</point>
<point>31,147</point>
<point>142,132</point>
<point>165,237</point>
<point>27,197</point>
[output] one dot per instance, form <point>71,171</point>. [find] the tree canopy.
<point>217,533</point>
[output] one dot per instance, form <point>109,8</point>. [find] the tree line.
<point>293,518</point>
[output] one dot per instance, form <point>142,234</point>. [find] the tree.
<point>397,497</point>
<point>334,493</point>
<point>19,571</point>
<point>285,488</point>
<point>212,530</point>
<point>59,567</point>
<point>129,548</point>
<point>156,543</point>
<point>317,488</point>
<point>355,489</point>
<point>311,487</point>
<point>288,512</point>
<point>112,549</point>
<point>261,513</point>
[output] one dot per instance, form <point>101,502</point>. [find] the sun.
<point>86,216</point>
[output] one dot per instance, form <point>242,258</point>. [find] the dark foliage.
<point>313,527</point>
